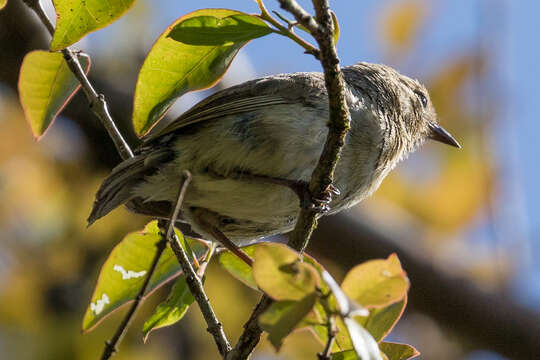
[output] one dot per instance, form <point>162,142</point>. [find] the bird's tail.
<point>118,187</point>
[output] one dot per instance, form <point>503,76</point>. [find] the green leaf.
<point>188,56</point>
<point>238,268</point>
<point>243,272</point>
<point>376,283</point>
<point>364,344</point>
<point>2,4</point>
<point>396,351</point>
<point>346,306</point>
<point>45,86</point>
<point>343,340</point>
<point>345,355</point>
<point>123,273</point>
<point>337,30</point>
<point>282,317</point>
<point>381,321</point>
<point>172,309</point>
<point>279,272</point>
<point>76,18</point>
<point>212,30</point>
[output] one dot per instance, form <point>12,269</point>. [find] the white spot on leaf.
<point>97,308</point>
<point>128,274</point>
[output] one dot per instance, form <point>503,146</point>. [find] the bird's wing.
<point>249,96</point>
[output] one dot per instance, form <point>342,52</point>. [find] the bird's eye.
<point>422,98</point>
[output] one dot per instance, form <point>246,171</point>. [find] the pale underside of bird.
<point>240,142</point>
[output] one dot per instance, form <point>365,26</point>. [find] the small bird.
<point>251,150</point>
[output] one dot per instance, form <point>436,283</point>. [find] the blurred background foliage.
<point>461,211</point>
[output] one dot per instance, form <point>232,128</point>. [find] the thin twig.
<point>265,15</point>
<point>252,332</point>
<point>326,354</point>
<point>97,101</point>
<point>322,29</point>
<point>111,345</point>
<point>193,280</point>
<point>320,186</point>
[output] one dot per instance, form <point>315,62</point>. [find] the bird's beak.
<point>438,133</point>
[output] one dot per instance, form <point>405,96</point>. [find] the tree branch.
<point>326,354</point>
<point>320,186</point>
<point>97,101</point>
<point>287,31</point>
<point>252,332</point>
<point>322,29</point>
<point>110,345</point>
<point>194,282</point>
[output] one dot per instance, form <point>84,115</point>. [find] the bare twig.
<point>326,354</point>
<point>193,280</point>
<point>97,101</point>
<point>322,29</point>
<point>111,345</point>
<point>252,332</point>
<point>265,15</point>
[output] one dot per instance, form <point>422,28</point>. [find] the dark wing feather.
<point>296,88</point>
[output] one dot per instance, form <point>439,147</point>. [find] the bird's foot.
<point>310,202</point>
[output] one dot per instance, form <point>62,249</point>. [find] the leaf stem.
<point>97,101</point>
<point>322,29</point>
<point>282,30</point>
<point>193,280</point>
<point>326,354</point>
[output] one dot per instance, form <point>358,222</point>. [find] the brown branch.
<point>287,31</point>
<point>326,354</point>
<point>322,29</point>
<point>193,280</point>
<point>252,332</point>
<point>97,101</point>
<point>111,345</point>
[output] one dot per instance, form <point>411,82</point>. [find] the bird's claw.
<point>309,202</point>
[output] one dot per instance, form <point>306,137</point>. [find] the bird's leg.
<point>201,217</point>
<point>300,188</point>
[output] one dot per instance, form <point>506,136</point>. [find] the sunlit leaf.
<point>175,66</point>
<point>376,283</point>
<point>343,340</point>
<point>76,18</point>
<point>282,317</point>
<point>123,273</point>
<point>382,320</point>
<point>337,30</point>
<point>238,268</point>
<point>280,273</point>
<point>396,351</point>
<point>2,4</point>
<point>172,309</point>
<point>345,355</point>
<point>364,344</point>
<point>45,86</point>
<point>212,30</point>
<point>346,305</point>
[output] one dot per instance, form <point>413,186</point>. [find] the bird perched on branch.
<point>252,148</point>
